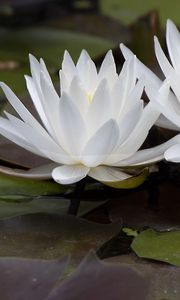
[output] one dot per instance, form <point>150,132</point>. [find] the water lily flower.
<point>95,127</point>
<point>169,104</point>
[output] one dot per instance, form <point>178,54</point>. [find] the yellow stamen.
<point>89,96</point>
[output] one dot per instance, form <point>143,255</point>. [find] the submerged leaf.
<point>49,205</point>
<point>51,236</point>
<point>28,279</point>
<point>94,279</point>
<point>162,246</point>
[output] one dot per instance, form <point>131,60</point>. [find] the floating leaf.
<point>53,205</point>
<point>131,182</point>
<point>162,246</point>
<point>10,185</point>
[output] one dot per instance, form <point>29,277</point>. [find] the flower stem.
<point>76,198</point>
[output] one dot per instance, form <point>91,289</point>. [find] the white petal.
<point>34,140</point>
<point>129,121</point>
<point>162,59</point>
<point>19,107</point>
<point>35,68</point>
<point>108,174</point>
<point>173,43</point>
<point>64,82</point>
<point>72,126</point>
<point>165,123</point>
<point>99,110</point>
<point>173,154</point>
<point>108,69</point>
<point>167,69</point>
<point>43,172</point>
<point>100,144</point>
<point>37,100</point>
<point>68,66</point>
<point>148,156</point>
<point>50,104</point>
<point>8,131</point>
<point>137,136</point>
<point>122,88</point>
<point>45,71</point>
<point>167,106</point>
<point>87,71</point>
<point>78,95</point>
<point>69,174</point>
<point>141,70</point>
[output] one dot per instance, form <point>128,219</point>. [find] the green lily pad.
<point>131,182</point>
<point>53,205</point>
<point>162,246</point>
<point>18,186</point>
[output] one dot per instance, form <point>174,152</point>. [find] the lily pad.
<point>18,186</point>
<point>161,246</point>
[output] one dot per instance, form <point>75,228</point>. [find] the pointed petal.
<point>36,98</point>
<point>87,72</point>
<point>123,87</point>
<point>173,153</point>
<point>68,66</point>
<point>50,104</point>
<point>35,68</point>
<point>99,110</point>
<point>69,174</point>
<point>148,156</point>
<point>108,69</point>
<point>100,144</point>
<point>165,105</point>
<point>142,70</point>
<point>19,107</point>
<point>173,43</point>
<point>73,130</point>
<point>45,71</point>
<point>167,69</point>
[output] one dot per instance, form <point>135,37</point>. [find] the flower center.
<point>89,96</point>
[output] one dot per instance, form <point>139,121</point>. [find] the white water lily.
<point>95,127</point>
<point>169,104</point>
